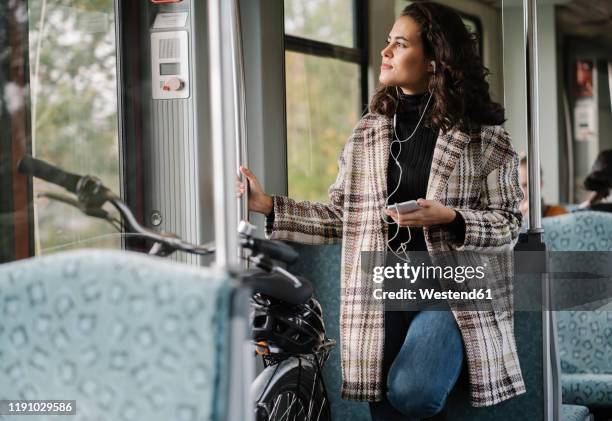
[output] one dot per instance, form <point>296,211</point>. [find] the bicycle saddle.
<point>277,286</point>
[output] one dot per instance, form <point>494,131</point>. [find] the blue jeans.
<point>422,361</point>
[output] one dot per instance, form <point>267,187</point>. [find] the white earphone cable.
<point>403,246</point>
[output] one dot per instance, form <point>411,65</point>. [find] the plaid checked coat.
<point>475,174</point>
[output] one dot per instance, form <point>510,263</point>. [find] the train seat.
<point>585,337</point>
<point>126,335</point>
<point>593,390</point>
<point>579,231</point>
<point>321,264</point>
<point>575,413</point>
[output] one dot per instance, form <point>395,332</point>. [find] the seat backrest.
<point>584,336</point>
<point>585,341</point>
<point>125,335</point>
<point>579,231</point>
<point>321,264</point>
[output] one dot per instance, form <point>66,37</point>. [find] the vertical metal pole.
<point>228,133</point>
<point>552,390</point>
<point>530,26</point>
<point>223,128</point>
<point>240,110</point>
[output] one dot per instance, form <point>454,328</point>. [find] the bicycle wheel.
<point>288,391</point>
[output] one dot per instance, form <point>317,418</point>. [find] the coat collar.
<point>449,147</point>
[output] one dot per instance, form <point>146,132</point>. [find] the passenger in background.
<point>547,210</point>
<point>599,182</point>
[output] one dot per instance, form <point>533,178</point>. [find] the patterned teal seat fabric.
<point>585,337</point>
<point>575,413</point>
<point>129,337</point>
<point>321,264</point>
<point>589,338</point>
<point>587,389</point>
<point>579,231</point>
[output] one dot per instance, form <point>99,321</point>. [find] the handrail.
<point>530,26</point>
<point>240,107</point>
<point>551,375</point>
<point>223,128</point>
<point>226,144</point>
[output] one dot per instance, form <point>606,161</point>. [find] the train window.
<point>326,90</point>
<point>73,101</point>
<point>323,105</point>
<point>321,20</point>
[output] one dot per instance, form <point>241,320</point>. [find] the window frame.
<point>17,222</point>
<point>358,54</point>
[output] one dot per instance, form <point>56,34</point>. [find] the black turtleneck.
<point>414,157</point>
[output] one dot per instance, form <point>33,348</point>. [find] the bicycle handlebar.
<point>92,195</point>
<point>170,240</point>
<point>40,169</point>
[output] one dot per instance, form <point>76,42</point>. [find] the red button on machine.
<point>173,84</point>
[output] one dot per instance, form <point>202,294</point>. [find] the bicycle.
<point>287,321</point>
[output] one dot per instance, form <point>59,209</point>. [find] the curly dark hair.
<point>599,179</point>
<point>459,87</point>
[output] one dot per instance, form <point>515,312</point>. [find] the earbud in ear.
<point>433,65</point>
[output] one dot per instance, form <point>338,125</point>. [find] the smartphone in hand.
<point>404,207</point>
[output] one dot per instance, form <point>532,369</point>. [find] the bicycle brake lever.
<point>64,198</point>
<point>266,264</point>
<point>161,249</point>
<point>288,275</point>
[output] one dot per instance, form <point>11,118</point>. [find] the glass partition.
<point>73,98</point>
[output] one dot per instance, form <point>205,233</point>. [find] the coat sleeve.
<point>313,222</point>
<point>495,225</point>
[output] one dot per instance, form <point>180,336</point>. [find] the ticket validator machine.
<point>166,124</point>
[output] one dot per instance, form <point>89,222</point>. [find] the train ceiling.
<point>590,19</point>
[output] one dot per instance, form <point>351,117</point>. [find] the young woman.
<point>432,134</point>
